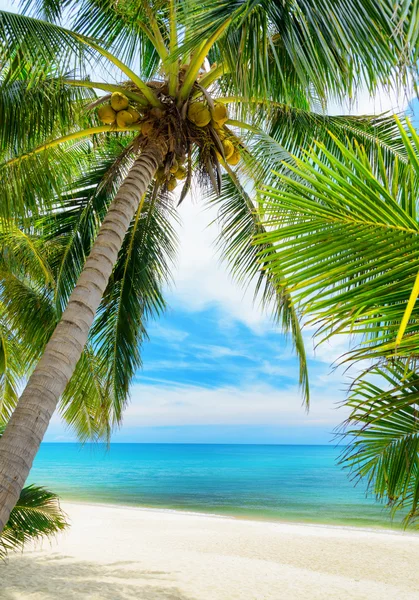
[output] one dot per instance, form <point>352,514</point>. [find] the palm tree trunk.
<point>26,428</point>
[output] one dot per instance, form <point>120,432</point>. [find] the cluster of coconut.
<point>177,172</point>
<point>118,111</point>
<point>201,116</point>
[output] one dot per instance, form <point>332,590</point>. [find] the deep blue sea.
<point>284,483</point>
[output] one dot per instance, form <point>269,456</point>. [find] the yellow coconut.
<point>172,183</point>
<point>234,158</point>
<point>147,128</point>
<point>220,114</point>
<point>193,110</point>
<point>175,166</point>
<point>203,117</point>
<point>228,148</point>
<point>106,114</point>
<point>199,114</point>
<point>135,114</point>
<point>119,101</point>
<point>181,173</point>
<point>124,118</point>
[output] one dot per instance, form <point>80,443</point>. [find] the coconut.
<point>147,128</point>
<point>234,158</point>
<point>193,110</point>
<point>135,114</point>
<point>124,118</point>
<point>172,183</point>
<point>199,114</point>
<point>175,166</point>
<point>203,117</point>
<point>220,114</point>
<point>119,101</point>
<point>181,173</point>
<point>228,148</point>
<point>106,114</point>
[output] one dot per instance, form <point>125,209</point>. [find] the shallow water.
<point>286,483</point>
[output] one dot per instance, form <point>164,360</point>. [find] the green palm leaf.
<point>37,514</point>
<point>30,114</point>
<point>12,367</point>
<point>345,236</point>
<point>348,244</point>
<point>383,429</point>
<point>284,46</point>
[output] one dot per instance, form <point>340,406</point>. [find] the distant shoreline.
<point>251,519</point>
<point>104,444</point>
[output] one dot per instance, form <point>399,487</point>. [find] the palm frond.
<point>273,47</point>
<point>30,114</point>
<point>36,49</point>
<point>346,241</point>
<point>86,405</point>
<point>240,223</point>
<point>12,368</point>
<point>36,515</point>
<point>32,186</point>
<point>383,431</point>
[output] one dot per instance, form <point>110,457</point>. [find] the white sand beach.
<point>113,553</point>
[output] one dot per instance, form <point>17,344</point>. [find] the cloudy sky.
<point>215,368</point>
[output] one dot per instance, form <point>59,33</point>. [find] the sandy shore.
<point>113,553</point>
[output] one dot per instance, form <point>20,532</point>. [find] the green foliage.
<point>344,234</point>
<point>36,515</point>
<point>240,223</point>
<point>346,214</point>
<point>384,428</point>
<point>285,49</point>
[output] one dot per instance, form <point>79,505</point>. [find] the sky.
<point>215,369</point>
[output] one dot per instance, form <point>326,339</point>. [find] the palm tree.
<point>194,76</point>
<point>352,268</point>
<point>36,514</point>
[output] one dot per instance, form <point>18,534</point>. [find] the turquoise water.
<point>286,483</point>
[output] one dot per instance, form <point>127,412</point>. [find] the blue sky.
<point>215,368</point>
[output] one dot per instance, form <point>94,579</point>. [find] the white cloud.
<point>170,334</point>
<point>384,100</point>
<point>214,351</point>
<point>180,405</point>
<point>201,281</point>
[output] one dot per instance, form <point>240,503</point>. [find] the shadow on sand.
<point>60,577</point>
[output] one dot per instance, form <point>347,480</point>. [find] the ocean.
<point>278,483</point>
